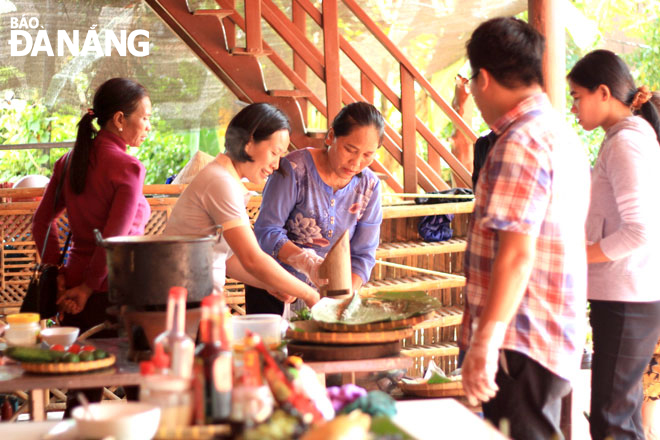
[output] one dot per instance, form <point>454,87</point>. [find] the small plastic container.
<point>23,329</point>
<point>268,326</point>
<point>172,395</point>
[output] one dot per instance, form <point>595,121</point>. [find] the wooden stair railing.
<point>214,40</point>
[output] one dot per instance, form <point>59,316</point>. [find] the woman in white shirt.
<point>624,240</point>
<point>255,140</point>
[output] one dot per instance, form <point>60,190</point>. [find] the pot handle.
<point>99,238</point>
<point>218,232</point>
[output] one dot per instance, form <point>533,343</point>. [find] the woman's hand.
<point>312,298</point>
<point>286,299</point>
<point>73,300</point>
<point>308,263</point>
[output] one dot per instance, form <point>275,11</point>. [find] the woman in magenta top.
<point>102,190</point>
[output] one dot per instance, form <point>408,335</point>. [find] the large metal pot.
<point>141,269</point>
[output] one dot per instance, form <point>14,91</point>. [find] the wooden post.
<point>545,16</point>
<point>331,58</point>
<point>408,131</point>
<point>253,26</point>
<point>230,27</point>
<point>299,19</point>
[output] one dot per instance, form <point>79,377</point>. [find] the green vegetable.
<point>71,357</point>
<point>100,354</point>
<point>86,356</point>
<point>302,315</point>
<point>375,403</point>
<point>31,354</point>
<point>436,378</point>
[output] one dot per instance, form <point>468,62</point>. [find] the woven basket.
<point>449,389</point>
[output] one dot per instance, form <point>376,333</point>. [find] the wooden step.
<point>290,93</point>
<point>446,317</point>
<point>412,210</point>
<point>219,13</point>
<point>429,350</point>
<point>407,284</point>
<point>420,247</point>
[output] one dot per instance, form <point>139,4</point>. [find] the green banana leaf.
<point>380,307</point>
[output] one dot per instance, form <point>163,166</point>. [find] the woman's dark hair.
<point>605,67</point>
<point>114,95</point>
<point>509,49</point>
<point>360,114</point>
<point>256,122</point>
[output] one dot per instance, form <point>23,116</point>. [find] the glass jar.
<point>172,395</point>
<point>23,329</point>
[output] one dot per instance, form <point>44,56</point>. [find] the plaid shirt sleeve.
<point>520,187</point>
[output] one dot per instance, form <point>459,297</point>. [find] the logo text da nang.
<point>23,42</point>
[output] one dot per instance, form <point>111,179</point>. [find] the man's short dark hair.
<point>510,50</point>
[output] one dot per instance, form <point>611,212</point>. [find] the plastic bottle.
<point>174,340</point>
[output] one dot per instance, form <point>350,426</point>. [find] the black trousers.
<point>260,301</point>
<point>624,335</point>
<point>94,313</point>
<point>529,397</point>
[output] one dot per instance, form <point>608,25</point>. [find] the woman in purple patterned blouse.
<point>315,196</point>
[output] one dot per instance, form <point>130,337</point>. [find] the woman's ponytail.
<point>648,107</point>
<point>80,154</point>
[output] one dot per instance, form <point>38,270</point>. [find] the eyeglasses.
<point>474,75</point>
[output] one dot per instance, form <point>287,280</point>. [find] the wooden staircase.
<point>212,35</point>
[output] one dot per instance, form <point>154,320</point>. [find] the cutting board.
<point>374,326</point>
<point>317,352</point>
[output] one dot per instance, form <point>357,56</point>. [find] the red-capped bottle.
<point>177,344</point>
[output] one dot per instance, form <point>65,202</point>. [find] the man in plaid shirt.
<point>526,260</point>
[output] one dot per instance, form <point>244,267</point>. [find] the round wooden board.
<point>309,331</point>
<point>315,352</point>
<point>450,389</point>
<point>67,367</point>
<point>374,326</point>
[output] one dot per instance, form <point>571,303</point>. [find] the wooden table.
<point>125,373</point>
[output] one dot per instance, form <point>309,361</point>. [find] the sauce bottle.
<point>214,360</point>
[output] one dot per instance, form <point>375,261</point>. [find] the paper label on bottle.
<point>222,374</point>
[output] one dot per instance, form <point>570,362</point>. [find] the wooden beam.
<point>546,17</point>
<point>366,88</point>
<point>299,19</point>
<point>408,131</point>
<point>331,58</point>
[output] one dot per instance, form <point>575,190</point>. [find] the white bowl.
<point>60,335</point>
<point>123,421</point>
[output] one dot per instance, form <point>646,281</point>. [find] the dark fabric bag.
<point>42,292</point>
<point>41,295</point>
<point>434,228</point>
